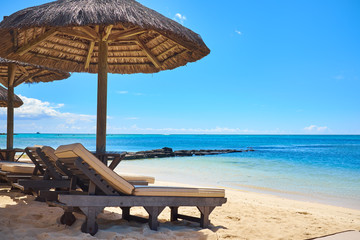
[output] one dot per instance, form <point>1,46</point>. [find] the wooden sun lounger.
<point>107,189</point>
<point>51,177</point>
<point>54,176</point>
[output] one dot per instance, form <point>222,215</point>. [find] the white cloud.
<point>122,92</point>
<point>180,18</point>
<point>36,115</point>
<point>238,32</point>
<point>314,128</point>
<point>35,108</point>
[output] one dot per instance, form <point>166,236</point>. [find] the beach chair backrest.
<point>77,150</point>
<point>40,166</point>
<point>49,153</point>
<point>42,162</point>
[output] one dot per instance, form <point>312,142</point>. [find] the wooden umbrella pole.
<point>10,108</point>
<point>102,97</point>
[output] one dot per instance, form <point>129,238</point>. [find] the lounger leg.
<point>68,218</point>
<point>205,212</point>
<point>154,212</point>
<point>174,214</point>
<point>125,213</point>
<point>90,225</point>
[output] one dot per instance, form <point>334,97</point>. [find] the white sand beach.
<point>246,215</point>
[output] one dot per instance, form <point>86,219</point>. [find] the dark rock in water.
<point>168,152</point>
<point>183,153</point>
<point>166,149</point>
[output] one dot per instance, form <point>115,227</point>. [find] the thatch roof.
<point>4,98</point>
<point>29,73</point>
<point>64,34</point>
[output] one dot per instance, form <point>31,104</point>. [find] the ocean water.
<point>315,168</point>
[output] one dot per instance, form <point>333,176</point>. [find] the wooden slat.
<point>127,201</point>
<point>25,36</point>
<point>76,33</point>
<point>89,55</point>
<point>148,52</point>
<point>15,34</point>
<point>157,39</point>
<point>175,55</point>
<point>167,51</point>
<point>107,32</point>
<point>89,31</point>
<point>28,78</point>
<point>160,45</point>
<point>125,34</point>
<point>23,70</point>
<point>34,43</point>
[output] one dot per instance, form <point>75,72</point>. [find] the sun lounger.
<point>54,177</point>
<point>49,152</point>
<point>108,189</point>
<point>50,178</point>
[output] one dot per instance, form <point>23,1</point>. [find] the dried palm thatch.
<point>28,73</point>
<point>4,98</point>
<point>65,34</point>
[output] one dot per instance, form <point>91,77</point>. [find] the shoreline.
<point>162,175</point>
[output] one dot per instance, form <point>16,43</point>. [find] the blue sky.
<point>276,67</point>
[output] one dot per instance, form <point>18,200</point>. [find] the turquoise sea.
<point>315,168</point>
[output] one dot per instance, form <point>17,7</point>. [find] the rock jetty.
<point>168,152</point>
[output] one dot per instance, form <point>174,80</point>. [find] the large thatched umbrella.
<point>116,36</point>
<point>4,99</point>
<point>14,73</point>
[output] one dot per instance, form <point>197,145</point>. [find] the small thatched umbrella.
<point>17,102</point>
<point>116,36</point>
<point>14,73</point>
<point>4,99</point>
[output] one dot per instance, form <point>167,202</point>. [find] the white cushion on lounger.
<point>78,150</point>
<point>178,192</point>
<point>133,178</point>
<point>50,153</point>
<point>2,163</point>
<point>23,168</point>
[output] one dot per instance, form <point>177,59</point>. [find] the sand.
<point>246,215</point>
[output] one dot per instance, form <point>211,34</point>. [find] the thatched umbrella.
<point>14,73</point>
<point>116,36</point>
<point>17,102</point>
<point>4,99</point>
